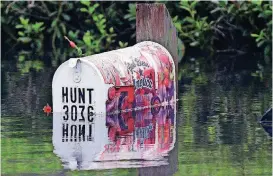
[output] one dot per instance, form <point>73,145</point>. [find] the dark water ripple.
<point>217,130</point>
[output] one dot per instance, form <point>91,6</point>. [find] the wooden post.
<point>153,23</point>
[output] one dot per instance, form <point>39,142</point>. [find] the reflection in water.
<point>217,131</point>
<point>146,141</point>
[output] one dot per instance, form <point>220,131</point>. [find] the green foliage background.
<point>33,32</point>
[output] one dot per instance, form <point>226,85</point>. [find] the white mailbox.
<point>90,93</point>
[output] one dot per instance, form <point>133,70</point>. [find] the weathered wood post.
<point>153,23</point>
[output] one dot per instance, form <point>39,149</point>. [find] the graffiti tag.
<point>143,83</point>
<point>136,63</point>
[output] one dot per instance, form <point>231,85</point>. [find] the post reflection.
<point>141,138</point>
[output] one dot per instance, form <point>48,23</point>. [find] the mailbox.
<point>146,144</point>
<point>134,77</point>
<point>97,98</point>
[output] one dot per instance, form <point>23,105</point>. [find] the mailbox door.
<point>79,95</point>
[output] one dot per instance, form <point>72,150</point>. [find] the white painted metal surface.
<point>143,76</point>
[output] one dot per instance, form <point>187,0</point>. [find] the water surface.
<point>217,129</point>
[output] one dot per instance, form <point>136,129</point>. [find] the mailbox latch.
<point>76,65</point>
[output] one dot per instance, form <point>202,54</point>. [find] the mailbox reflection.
<point>137,138</point>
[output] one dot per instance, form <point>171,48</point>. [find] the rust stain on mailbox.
<point>96,95</point>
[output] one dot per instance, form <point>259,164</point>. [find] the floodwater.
<point>216,132</point>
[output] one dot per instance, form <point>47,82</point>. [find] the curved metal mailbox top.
<point>100,99</point>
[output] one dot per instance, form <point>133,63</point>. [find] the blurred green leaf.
<point>195,43</point>
<point>231,7</point>
<point>24,21</point>
<point>38,44</point>
<point>54,22</point>
<point>83,10</point>
<point>111,30</point>
<point>91,10</point>
<point>18,26</point>
<point>186,8</point>
<point>37,65</point>
<point>189,20</point>
<point>73,35</point>
<point>260,43</point>
<point>86,3</point>
<point>21,58</point>
<point>24,39</point>
<point>63,28</point>
<point>87,38</point>
<point>20,33</point>
<point>257,2</point>
<point>123,45</point>
<point>37,27</point>
<point>66,17</point>
<point>254,35</point>
<point>223,3</point>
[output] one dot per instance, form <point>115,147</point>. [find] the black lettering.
<point>81,95</point>
<point>145,82</point>
<point>82,115</point>
<point>73,96</point>
<point>65,94</point>
<point>90,133</point>
<point>140,132</point>
<point>90,113</point>
<point>140,83</point>
<point>65,131</point>
<point>82,132</point>
<point>74,112</point>
<point>90,95</point>
<point>145,133</point>
<point>73,130</point>
<point>137,84</point>
<point>150,84</point>
<point>66,112</point>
